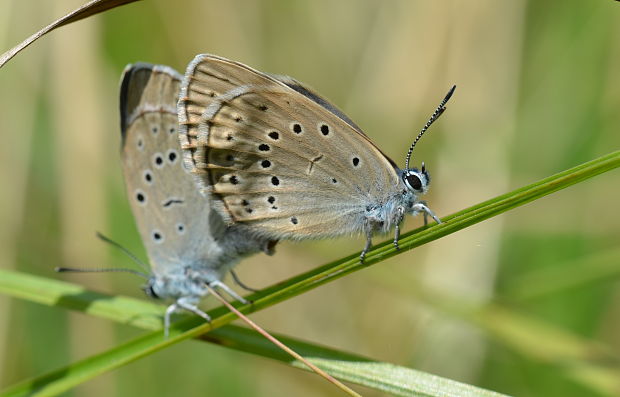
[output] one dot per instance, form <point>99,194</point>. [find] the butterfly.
<point>188,243</point>
<point>280,162</point>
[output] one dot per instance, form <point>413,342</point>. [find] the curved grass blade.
<point>397,380</point>
<point>89,9</point>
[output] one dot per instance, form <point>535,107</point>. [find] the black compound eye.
<point>414,181</point>
<point>150,291</point>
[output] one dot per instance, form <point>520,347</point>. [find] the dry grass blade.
<point>282,346</point>
<point>91,8</point>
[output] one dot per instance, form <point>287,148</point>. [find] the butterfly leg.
<point>421,207</point>
<point>396,236</point>
<point>171,309</point>
<point>228,290</point>
<point>367,246</point>
<point>240,283</point>
<point>181,303</point>
<point>399,219</point>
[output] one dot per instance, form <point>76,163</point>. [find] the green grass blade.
<point>194,327</point>
<point>590,363</point>
<point>397,380</point>
<point>577,273</point>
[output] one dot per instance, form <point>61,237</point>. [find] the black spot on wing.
<point>168,203</point>
<point>297,129</point>
<point>148,177</point>
<point>172,156</point>
<point>321,101</point>
<point>157,236</point>
<point>314,160</point>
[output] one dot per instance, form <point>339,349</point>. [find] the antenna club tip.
<point>449,94</point>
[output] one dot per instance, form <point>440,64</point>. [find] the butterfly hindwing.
<point>161,192</point>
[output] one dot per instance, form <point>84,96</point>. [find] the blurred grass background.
<point>538,92</point>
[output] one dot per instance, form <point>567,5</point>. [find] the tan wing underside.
<point>151,132</point>
<point>320,189</point>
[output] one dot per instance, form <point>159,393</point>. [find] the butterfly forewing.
<point>272,157</point>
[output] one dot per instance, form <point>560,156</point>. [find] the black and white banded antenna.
<point>142,265</point>
<point>438,112</point>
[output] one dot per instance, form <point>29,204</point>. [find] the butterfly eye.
<point>414,182</point>
<point>148,289</point>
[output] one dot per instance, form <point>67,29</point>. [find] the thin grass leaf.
<point>577,273</point>
<point>397,380</point>
<point>590,363</point>
<point>89,9</point>
<point>63,379</point>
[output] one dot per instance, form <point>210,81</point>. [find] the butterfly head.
<point>416,180</point>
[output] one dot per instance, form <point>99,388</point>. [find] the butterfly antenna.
<point>60,269</point>
<point>438,112</point>
<point>144,274</point>
<point>125,251</point>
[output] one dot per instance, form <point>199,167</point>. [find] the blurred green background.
<point>538,92</point>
